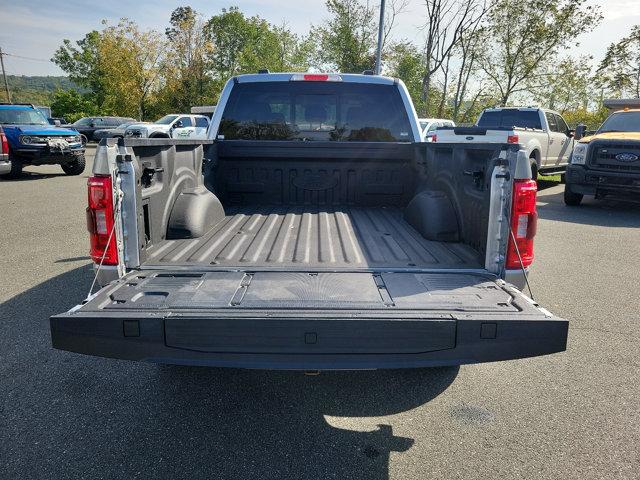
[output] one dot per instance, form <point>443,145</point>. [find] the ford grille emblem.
<point>469,138</point>
<point>627,157</point>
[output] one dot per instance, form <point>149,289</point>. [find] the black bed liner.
<point>303,320</point>
<point>313,237</point>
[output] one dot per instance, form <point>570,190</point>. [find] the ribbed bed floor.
<point>307,237</point>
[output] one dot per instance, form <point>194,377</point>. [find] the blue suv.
<point>31,140</point>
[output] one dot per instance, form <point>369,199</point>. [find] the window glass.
<point>166,120</point>
<point>22,116</point>
<point>186,121</point>
<point>551,120</point>
<point>621,122</point>
<point>562,125</point>
<point>202,122</point>
<point>325,111</point>
<point>509,118</point>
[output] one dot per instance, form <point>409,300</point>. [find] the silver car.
<point>117,132</point>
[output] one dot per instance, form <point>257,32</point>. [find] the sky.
<point>36,28</point>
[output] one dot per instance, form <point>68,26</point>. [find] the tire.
<point>16,169</point>
<point>570,198</point>
<point>76,167</point>
<point>534,168</point>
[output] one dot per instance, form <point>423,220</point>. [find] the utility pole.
<point>380,35</point>
<point>4,75</point>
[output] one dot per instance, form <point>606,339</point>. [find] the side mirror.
<point>580,131</point>
<point>92,125</point>
<point>178,124</point>
<point>571,133</point>
<point>57,123</point>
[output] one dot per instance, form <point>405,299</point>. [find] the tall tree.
<point>446,24</point>
<point>619,70</point>
<point>185,68</point>
<point>130,60</point>
<point>526,35</point>
<point>347,40</point>
<point>82,63</point>
<point>246,44</point>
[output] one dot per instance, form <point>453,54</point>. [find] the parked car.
<point>430,125</point>
<point>543,134</point>
<point>117,132</point>
<point>31,140</point>
<point>606,163</point>
<point>174,125</point>
<point>87,126</point>
<point>323,234</point>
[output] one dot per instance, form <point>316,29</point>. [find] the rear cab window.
<point>315,111</point>
<point>509,118</point>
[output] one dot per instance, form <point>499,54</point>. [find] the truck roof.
<point>286,77</point>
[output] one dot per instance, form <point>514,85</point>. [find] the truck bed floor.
<point>309,237</point>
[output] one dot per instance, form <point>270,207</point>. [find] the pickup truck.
<point>607,163</point>
<point>543,134</point>
<point>313,230</point>
<point>174,125</point>
<point>29,139</point>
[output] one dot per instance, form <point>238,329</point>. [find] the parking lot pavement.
<point>570,415</point>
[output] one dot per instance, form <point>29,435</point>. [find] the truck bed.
<point>309,237</point>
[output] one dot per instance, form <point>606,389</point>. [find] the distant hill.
<point>35,89</point>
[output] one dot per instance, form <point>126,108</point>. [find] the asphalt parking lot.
<point>570,415</point>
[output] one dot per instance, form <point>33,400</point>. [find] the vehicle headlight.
<point>75,139</point>
<point>579,154</point>
<point>32,140</point>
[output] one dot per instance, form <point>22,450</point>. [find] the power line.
<point>26,58</point>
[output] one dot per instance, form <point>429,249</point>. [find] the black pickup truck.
<point>312,231</point>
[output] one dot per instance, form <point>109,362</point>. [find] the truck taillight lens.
<point>513,139</point>
<point>4,144</point>
<point>524,219</point>
<point>100,218</point>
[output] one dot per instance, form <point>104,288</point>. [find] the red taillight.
<point>434,138</point>
<point>100,220</point>
<point>4,144</point>
<point>513,139</point>
<point>524,219</point>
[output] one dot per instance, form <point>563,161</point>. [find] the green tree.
<point>185,68</point>
<point>82,63</point>
<point>347,40</point>
<point>130,60</point>
<point>619,70</point>
<point>73,105</point>
<point>406,63</point>
<point>564,85</point>
<point>526,35</point>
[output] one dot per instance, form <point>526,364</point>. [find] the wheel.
<point>76,167</point>
<point>534,168</point>
<point>16,169</point>
<point>570,198</point>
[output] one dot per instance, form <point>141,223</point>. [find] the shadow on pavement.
<point>67,415</point>
<point>606,212</point>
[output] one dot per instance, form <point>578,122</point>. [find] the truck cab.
<point>543,134</point>
<point>31,140</point>
<point>607,163</point>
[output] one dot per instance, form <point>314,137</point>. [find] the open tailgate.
<point>309,320</point>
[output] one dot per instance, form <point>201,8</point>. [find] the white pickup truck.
<point>175,125</point>
<point>313,230</point>
<point>543,134</point>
